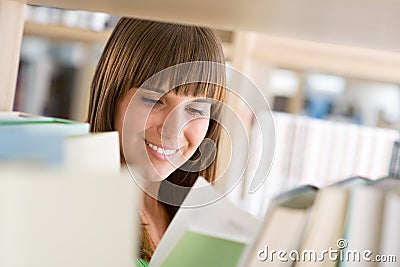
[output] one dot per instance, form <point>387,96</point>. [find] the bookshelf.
<point>340,22</point>
<point>359,44</point>
<point>63,33</point>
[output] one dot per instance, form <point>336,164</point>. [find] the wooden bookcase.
<point>348,24</point>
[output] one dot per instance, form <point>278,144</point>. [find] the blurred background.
<point>319,92</point>
<point>61,47</point>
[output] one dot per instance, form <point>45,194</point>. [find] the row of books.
<point>57,142</point>
<point>356,218</point>
<point>320,152</point>
<point>95,21</point>
<point>350,223</point>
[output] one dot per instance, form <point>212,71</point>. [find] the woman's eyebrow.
<point>157,90</point>
<point>203,100</point>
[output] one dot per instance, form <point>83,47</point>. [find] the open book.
<point>206,231</point>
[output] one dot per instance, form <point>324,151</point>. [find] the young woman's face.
<point>159,132</point>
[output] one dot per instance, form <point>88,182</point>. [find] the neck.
<point>155,217</point>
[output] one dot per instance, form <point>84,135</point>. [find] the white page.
<point>220,218</point>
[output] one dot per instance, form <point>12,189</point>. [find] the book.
<point>206,231</point>
<point>18,118</point>
<point>327,221</point>
<point>364,222</point>
<point>282,228</point>
<point>29,137</point>
<point>390,235</point>
<point>94,152</point>
<point>52,217</point>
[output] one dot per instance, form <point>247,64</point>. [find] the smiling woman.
<point>160,86</point>
<point>168,128</point>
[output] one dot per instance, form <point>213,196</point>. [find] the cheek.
<point>195,131</point>
<point>132,129</point>
<point>137,118</point>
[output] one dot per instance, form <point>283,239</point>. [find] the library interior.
<point>307,163</point>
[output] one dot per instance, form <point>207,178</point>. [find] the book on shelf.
<point>364,226</point>
<point>326,224</point>
<point>390,235</point>
<point>53,217</point>
<point>58,142</point>
<point>305,224</point>
<point>214,233</point>
<point>29,137</point>
<point>95,152</point>
<point>17,118</point>
<point>282,228</point>
<point>302,226</point>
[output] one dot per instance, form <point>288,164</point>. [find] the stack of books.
<point>57,142</point>
<point>64,200</point>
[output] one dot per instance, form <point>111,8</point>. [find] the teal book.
<point>29,137</point>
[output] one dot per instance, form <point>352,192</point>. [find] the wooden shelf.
<point>366,23</point>
<point>348,23</point>
<point>348,61</point>
<point>63,33</point>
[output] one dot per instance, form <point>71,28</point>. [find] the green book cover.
<point>199,250</point>
<point>17,118</point>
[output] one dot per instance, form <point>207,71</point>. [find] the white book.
<point>325,226</point>
<point>282,229</point>
<point>390,235</point>
<point>367,139</point>
<point>261,156</point>
<point>363,227</point>
<point>379,156</point>
<point>297,156</point>
<point>64,218</point>
<point>336,152</point>
<point>94,152</point>
<point>315,140</point>
<point>323,160</point>
<point>276,181</point>
<point>349,156</point>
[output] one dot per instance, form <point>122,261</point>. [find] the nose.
<point>172,126</point>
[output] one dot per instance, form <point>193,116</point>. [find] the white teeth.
<point>160,150</point>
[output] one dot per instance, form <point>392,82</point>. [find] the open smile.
<point>159,152</point>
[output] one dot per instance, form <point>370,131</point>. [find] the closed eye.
<point>196,112</point>
<point>151,101</point>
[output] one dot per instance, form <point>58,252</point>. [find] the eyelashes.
<point>196,112</point>
<point>150,101</point>
<point>193,111</point>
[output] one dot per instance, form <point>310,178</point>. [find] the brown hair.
<point>138,49</point>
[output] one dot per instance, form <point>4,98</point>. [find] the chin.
<point>156,175</point>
